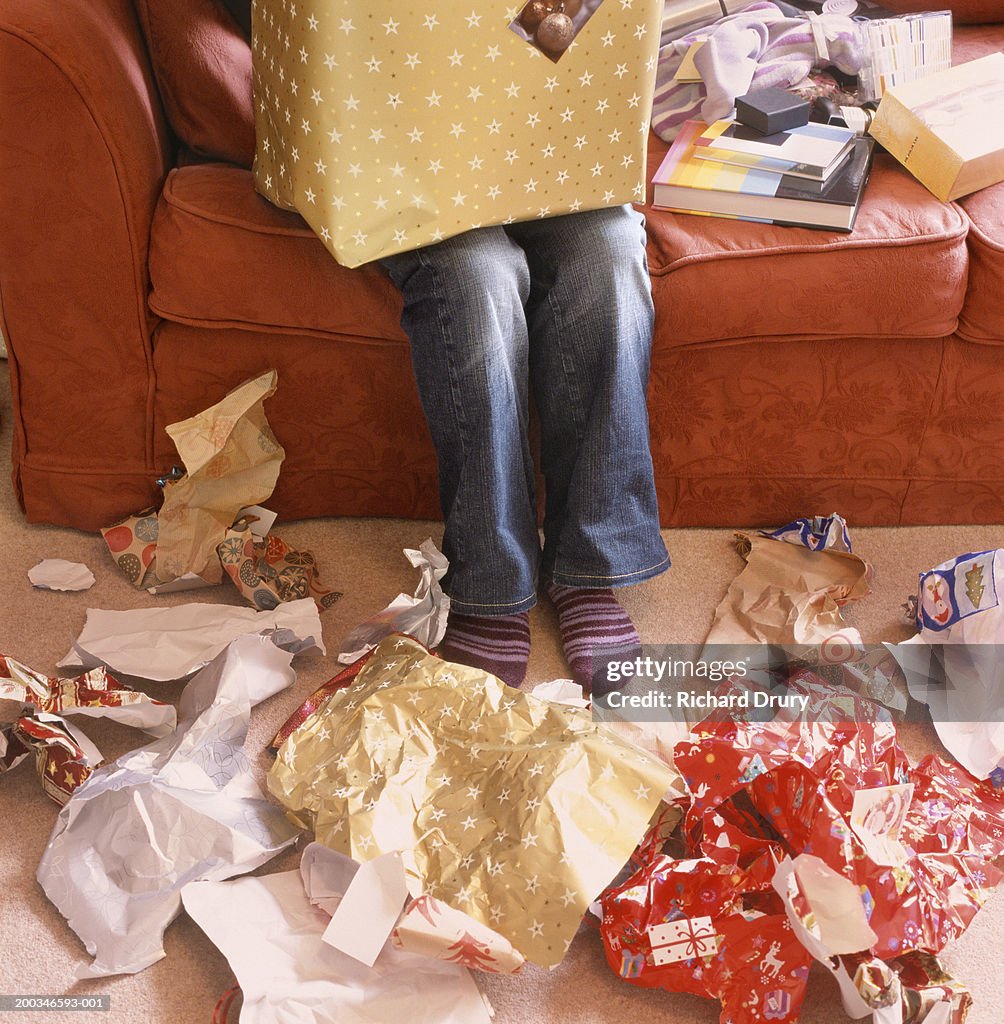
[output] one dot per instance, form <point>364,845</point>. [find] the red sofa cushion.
<point>900,274</point>
<point>221,255</point>
<point>202,64</point>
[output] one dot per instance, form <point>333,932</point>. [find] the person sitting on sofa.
<point>565,304</point>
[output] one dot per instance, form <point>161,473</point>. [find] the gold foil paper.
<point>511,809</point>
<point>388,126</point>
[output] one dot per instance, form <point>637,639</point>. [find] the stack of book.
<point>812,176</point>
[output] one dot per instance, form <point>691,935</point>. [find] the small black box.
<point>772,110</point>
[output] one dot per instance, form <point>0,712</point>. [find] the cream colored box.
<point>948,129</point>
<point>389,126</point>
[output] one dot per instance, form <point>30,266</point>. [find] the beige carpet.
<point>363,558</point>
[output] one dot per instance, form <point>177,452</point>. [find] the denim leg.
<point>590,317</point>
<point>463,313</point>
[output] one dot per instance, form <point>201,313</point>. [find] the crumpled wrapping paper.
<point>266,571</point>
<point>826,915</point>
<point>60,574</point>
<point>182,808</point>
<point>794,584</point>
<point>954,663</point>
<point>271,930</point>
<point>422,615</point>
<point>429,927</point>
<point>913,845</point>
<point>170,643</point>
<point>231,460</point>
<point>514,810</point>
<point>31,706</point>
<point>790,595</point>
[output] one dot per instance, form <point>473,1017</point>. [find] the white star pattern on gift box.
<point>455,107</point>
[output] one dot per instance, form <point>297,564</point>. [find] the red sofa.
<point>794,371</point>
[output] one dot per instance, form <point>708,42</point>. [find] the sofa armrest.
<point>83,156</point>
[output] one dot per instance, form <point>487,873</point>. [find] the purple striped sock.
<point>592,620</point>
<point>499,644</point>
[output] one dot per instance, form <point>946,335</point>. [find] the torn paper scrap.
<point>954,664</point>
<point>184,807</point>
<point>432,928</point>
<point>231,460</point>
<point>338,682</point>
<point>791,590</point>
<point>829,920</point>
<point>30,708</point>
<point>271,930</point>
<point>681,925</point>
<point>64,757</point>
<point>171,643</point>
<point>95,694</point>
<point>266,571</point>
<point>514,810</point>
<point>422,615</point>
<point>59,574</point>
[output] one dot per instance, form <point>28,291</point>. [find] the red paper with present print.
<point>755,965</point>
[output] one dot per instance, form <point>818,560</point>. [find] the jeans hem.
<point>612,580</point>
<point>494,608</point>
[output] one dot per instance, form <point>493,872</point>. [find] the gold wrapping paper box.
<point>389,127</point>
<point>947,129</point>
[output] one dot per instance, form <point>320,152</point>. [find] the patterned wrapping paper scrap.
<point>339,682</point>
<point>271,931</point>
<point>430,927</point>
<point>30,706</point>
<point>764,793</point>
<point>169,643</point>
<point>785,789</point>
<point>268,572</point>
<point>751,961</point>
<point>391,126</point>
<point>182,808</point>
<point>421,615</point>
<point>916,987</point>
<point>514,810</point>
<point>791,592</point>
<point>232,460</point>
<point>954,664</point>
<point>64,758</point>
<point>910,989</point>
<point>132,543</point>
<point>792,588</point>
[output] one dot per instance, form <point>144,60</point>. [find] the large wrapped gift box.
<point>388,127</point>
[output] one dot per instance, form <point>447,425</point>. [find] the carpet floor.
<point>362,558</point>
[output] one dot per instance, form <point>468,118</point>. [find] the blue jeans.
<point>564,303</point>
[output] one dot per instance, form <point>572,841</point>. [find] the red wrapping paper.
<point>763,791</point>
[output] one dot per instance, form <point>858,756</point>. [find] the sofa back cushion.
<point>964,12</point>
<point>202,63</point>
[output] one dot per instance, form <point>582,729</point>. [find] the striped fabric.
<point>592,621</point>
<point>499,644</point>
<point>755,48</point>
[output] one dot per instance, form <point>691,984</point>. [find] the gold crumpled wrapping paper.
<point>512,809</point>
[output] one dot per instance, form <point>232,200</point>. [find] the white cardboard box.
<point>947,129</point>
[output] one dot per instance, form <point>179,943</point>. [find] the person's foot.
<point>499,644</point>
<point>592,621</point>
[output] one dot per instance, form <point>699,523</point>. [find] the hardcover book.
<point>685,184</point>
<point>816,149</point>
